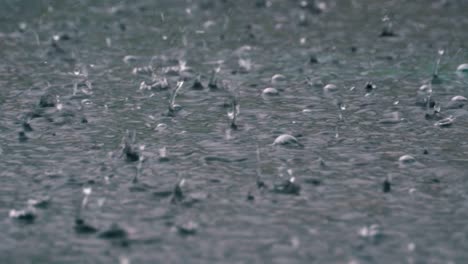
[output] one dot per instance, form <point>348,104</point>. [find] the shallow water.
<point>341,215</point>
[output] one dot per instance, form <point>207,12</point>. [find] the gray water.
<point>77,54</point>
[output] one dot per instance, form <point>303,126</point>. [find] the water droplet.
<point>23,26</point>
<point>286,139</point>
<point>245,65</point>
<point>295,242</point>
<point>41,202</point>
<point>161,127</point>
<point>369,87</point>
<point>411,247</point>
<point>188,228</point>
<point>163,155</point>
<point>288,187</point>
<point>330,88</point>
<point>278,79</point>
<point>270,91</point>
<point>148,70</point>
<point>130,59</point>
<point>446,122</point>
<point>406,159</point>
<point>463,68</point>
<point>87,191</point>
<point>458,98</point>
<point>369,231</point>
<point>426,88</point>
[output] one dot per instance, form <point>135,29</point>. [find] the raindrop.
<point>446,122</point>
<point>22,26</point>
<point>437,108</point>
<point>213,83</point>
<point>245,65</point>
<point>370,87</point>
<point>457,102</point>
<point>411,247</point>
<point>286,139</point>
<point>197,84</point>
<point>369,231</point>
<point>458,98</point>
<point>278,79</point>
<point>161,127</point>
<point>163,154</point>
<point>147,70</point>
<point>462,68</point>
<point>234,111</point>
<point>87,192</point>
<point>386,185</point>
<point>188,228</point>
<point>128,148</point>
<point>108,42</point>
<point>330,88</point>
<point>130,59</point>
<point>270,91</point>
<point>435,72</point>
<point>41,202</point>
<point>172,105</point>
<point>288,187</point>
<point>302,41</point>
<point>59,104</point>
<point>26,125</point>
<point>27,215</point>
<point>177,193</point>
<point>387,30</point>
<point>406,159</point>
